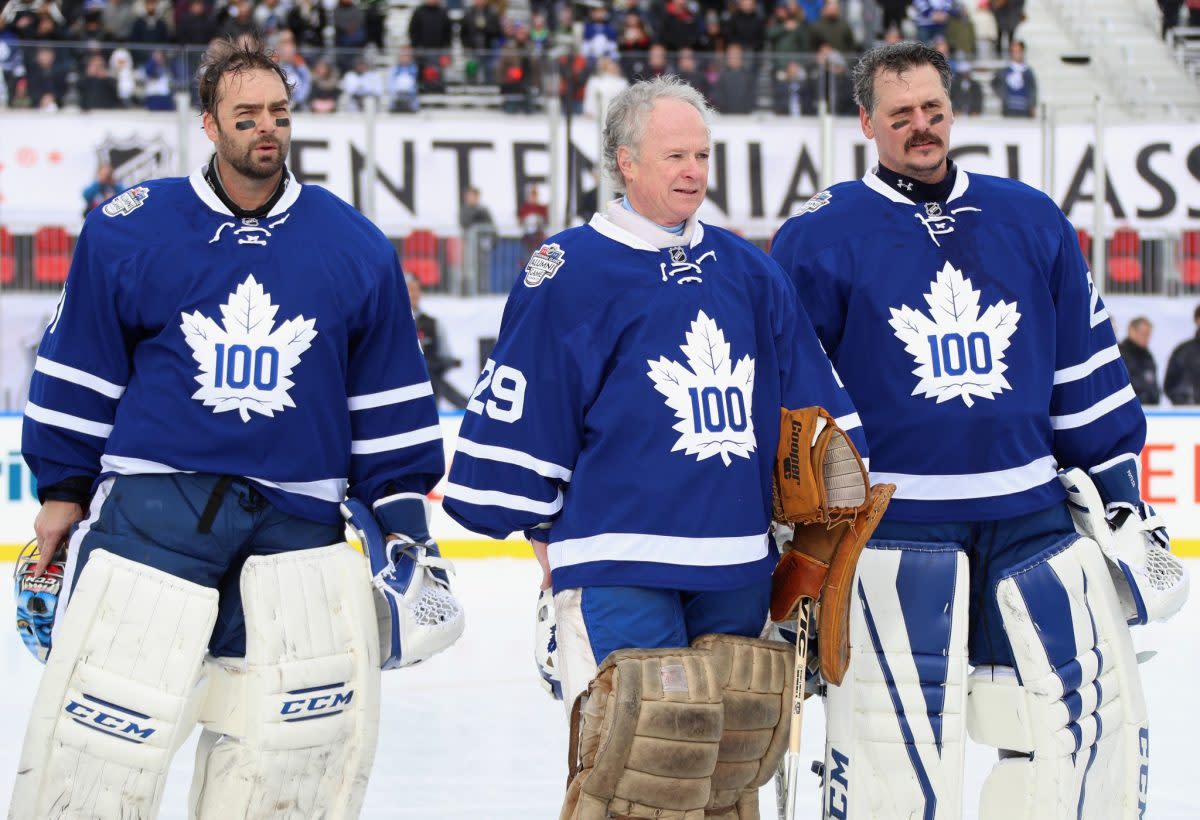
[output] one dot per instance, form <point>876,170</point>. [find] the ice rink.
<point>471,735</point>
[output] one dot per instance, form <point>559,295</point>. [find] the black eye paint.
<point>896,126</point>
<point>282,122</point>
<point>244,125</point>
<point>936,118</point>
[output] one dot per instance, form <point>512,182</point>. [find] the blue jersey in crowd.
<point>632,401</point>
<point>978,353</point>
<point>189,340</point>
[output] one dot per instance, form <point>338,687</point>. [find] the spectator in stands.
<point>325,88</point>
<point>572,81</point>
<point>831,28</point>
<point>678,27</point>
<point>787,33</point>
<point>690,72</point>
<point>349,25</point>
<point>97,88</point>
<point>479,231</point>
<point>197,26</point>
<point>932,16</point>
<point>429,29</point>
<point>712,36</point>
<point>295,67</point>
<point>599,36</point>
<point>960,32</point>
<point>403,82</point>
<point>1008,14</point>
<point>533,216</point>
<point>306,20</point>
<point>966,95</point>
<point>746,26</point>
<point>240,20</point>
<point>789,90</point>
<point>89,28</point>
<point>1135,352</point>
<point>270,16</point>
<point>1182,384</point>
<point>430,337</point>
<point>567,37</point>
<point>156,82</point>
<point>633,42</point>
<point>1016,84</point>
<point>103,188</point>
<point>830,80</point>
<point>359,83</point>
<point>12,63</point>
<point>517,74</point>
<point>480,30</point>
<point>150,24</point>
<point>539,32</point>
<point>46,78</point>
<point>120,66</point>
<point>117,17</point>
<point>894,13</point>
<point>735,89</point>
<point>1170,14</point>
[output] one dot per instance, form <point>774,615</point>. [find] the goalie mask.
<point>37,600</point>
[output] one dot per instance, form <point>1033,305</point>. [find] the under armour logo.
<point>904,186</point>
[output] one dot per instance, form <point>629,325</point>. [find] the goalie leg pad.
<point>120,693</point>
<point>646,737</point>
<point>295,723</point>
<point>757,704</point>
<point>895,735</point>
<point>1080,733</point>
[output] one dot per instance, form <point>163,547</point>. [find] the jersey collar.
<point>872,181</point>
<point>291,192</point>
<point>628,228</point>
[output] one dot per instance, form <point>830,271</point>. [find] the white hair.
<point>629,111</point>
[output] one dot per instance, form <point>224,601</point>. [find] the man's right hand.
<point>539,552</point>
<point>52,526</point>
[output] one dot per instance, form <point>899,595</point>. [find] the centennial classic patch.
<point>815,204</point>
<point>128,202</point>
<point>544,263</point>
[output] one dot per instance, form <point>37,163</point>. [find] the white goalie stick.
<point>787,779</point>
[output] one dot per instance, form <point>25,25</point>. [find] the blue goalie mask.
<point>37,600</point>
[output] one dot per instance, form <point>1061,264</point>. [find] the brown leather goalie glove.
<point>821,488</point>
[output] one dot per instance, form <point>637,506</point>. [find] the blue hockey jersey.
<point>978,353</point>
<point>281,349</point>
<point>632,401</point>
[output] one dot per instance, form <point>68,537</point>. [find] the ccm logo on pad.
<point>315,702</point>
<point>111,719</point>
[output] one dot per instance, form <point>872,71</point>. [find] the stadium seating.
<point>1124,257</point>
<point>1189,262</point>
<point>8,265</point>
<point>51,255</point>
<point>428,271</point>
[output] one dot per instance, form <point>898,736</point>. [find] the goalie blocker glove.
<point>418,614</point>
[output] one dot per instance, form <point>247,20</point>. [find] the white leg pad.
<point>120,694</point>
<point>291,730</point>
<point>895,743</point>
<point>1073,708</point>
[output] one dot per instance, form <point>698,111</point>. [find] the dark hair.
<point>895,58</point>
<point>229,56</point>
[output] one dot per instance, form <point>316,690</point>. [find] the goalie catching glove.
<point>418,614</point>
<point>821,489</point>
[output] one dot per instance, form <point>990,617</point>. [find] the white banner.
<point>763,167</point>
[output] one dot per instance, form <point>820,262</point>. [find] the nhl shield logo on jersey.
<point>959,353</point>
<point>544,263</point>
<point>245,361</point>
<point>710,395</point>
<point>128,202</point>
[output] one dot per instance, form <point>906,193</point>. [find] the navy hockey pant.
<point>201,528</point>
<point>993,548</point>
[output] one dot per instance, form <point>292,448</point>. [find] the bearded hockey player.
<point>233,354</point>
<point>628,418</point>
<point>961,314</point>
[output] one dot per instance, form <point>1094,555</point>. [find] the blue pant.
<point>993,549</point>
<point>645,618</point>
<point>156,520</point>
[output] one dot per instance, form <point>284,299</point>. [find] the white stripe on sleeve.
<point>79,377</point>
<point>386,397</point>
<point>506,455</point>
<point>495,498</point>
<point>67,421</point>
<point>1105,405</point>
<point>366,446</point>
<point>1079,371</point>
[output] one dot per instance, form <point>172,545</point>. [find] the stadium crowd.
<point>744,55</point>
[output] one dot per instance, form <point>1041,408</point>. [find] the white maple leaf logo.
<point>244,362</point>
<point>958,352</point>
<point>711,397</point>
